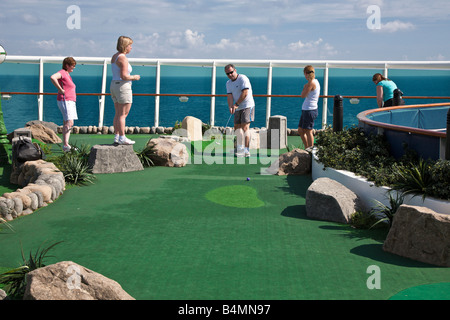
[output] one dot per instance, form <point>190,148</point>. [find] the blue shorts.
<point>307,119</point>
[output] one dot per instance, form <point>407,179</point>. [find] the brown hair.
<point>309,71</point>
<point>379,77</point>
<point>122,43</point>
<point>68,61</point>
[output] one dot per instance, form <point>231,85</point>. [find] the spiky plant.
<point>14,281</point>
<point>76,171</point>
<point>388,212</point>
<point>414,179</point>
<point>145,156</point>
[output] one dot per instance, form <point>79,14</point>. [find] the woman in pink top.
<point>66,97</point>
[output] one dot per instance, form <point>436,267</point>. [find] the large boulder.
<point>50,125</point>
<point>295,162</point>
<point>420,234</point>
<point>168,152</point>
<point>44,134</point>
<point>114,158</point>
<point>69,281</point>
<point>327,199</point>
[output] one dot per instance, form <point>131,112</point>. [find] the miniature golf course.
<point>207,232</point>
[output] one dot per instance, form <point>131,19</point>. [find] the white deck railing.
<point>213,64</point>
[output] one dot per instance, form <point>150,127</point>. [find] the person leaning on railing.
<point>385,91</point>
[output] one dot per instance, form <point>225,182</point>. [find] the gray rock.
<point>69,281</point>
<point>114,158</point>
<point>420,234</point>
<point>295,162</point>
<point>328,200</point>
<point>168,152</point>
<point>3,295</point>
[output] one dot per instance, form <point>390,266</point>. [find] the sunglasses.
<point>230,73</point>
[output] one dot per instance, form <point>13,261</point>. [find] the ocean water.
<point>23,108</point>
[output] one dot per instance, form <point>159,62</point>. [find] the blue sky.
<point>413,30</point>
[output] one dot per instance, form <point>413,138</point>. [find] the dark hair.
<point>230,66</point>
<point>68,61</point>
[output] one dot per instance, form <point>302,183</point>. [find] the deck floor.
<point>206,232</point>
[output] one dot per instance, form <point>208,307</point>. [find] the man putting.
<point>242,105</point>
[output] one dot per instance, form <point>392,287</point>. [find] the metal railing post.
<point>213,98</point>
<point>102,97</point>
<point>157,91</point>
<point>325,100</point>
<point>269,92</point>
<point>41,90</point>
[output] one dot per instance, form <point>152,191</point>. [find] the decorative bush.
<point>368,156</point>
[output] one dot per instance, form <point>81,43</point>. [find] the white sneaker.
<point>247,153</point>
<point>116,139</point>
<point>66,148</point>
<point>239,152</point>
<point>125,141</point>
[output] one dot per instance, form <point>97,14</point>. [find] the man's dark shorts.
<point>246,115</point>
<point>307,119</point>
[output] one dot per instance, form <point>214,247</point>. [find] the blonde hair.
<point>122,43</point>
<point>309,72</point>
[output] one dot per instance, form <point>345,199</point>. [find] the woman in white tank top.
<point>311,91</point>
<point>121,92</point>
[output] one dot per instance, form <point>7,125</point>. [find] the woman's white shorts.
<point>68,109</point>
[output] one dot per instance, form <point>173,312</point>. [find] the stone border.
<point>367,190</point>
<point>149,130</point>
<point>42,183</point>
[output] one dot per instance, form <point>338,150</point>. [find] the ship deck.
<point>206,232</point>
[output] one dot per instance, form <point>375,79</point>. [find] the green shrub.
<point>363,220</point>
<point>368,156</point>
<point>74,165</point>
<point>440,174</point>
<point>354,151</point>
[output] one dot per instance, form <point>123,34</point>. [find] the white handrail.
<point>214,63</point>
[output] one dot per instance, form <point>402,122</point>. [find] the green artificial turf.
<point>175,233</point>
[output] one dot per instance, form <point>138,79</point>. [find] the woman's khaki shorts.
<point>121,92</point>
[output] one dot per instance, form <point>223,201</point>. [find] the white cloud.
<point>31,19</point>
<point>438,57</point>
<point>47,45</point>
<point>275,29</point>
<point>312,49</point>
<point>395,26</point>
